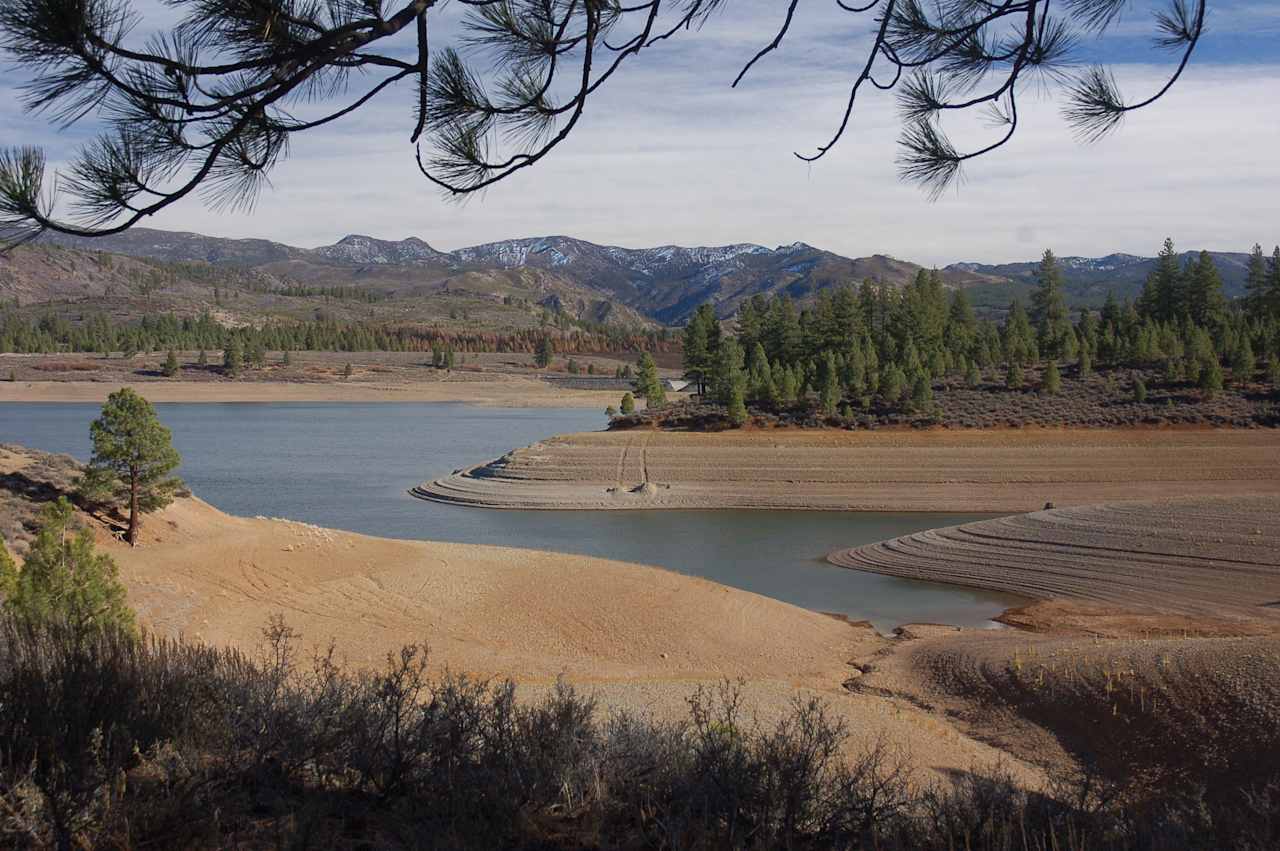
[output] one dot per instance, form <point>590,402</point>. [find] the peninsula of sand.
<point>998,471</point>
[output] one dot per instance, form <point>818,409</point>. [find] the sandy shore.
<point>1197,563</point>
<point>490,390</point>
<point>642,639</point>
<point>972,471</point>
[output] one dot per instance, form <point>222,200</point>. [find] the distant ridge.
<point>666,283</point>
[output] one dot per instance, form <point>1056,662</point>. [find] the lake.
<point>349,466</point>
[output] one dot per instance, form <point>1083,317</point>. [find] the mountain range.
<point>664,283</point>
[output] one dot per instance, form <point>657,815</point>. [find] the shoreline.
<point>979,471</point>
<point>505,392</point>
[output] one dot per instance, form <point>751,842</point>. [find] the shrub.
<point>628,404</point>
<point>168,744</point>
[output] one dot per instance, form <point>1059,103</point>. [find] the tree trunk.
<point>132,537</point>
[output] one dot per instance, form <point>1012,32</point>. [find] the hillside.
<point>1087,280</point>
<point>264,281</point>
<point>602,283</point>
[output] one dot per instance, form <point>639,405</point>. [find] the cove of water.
<point>349,466</point>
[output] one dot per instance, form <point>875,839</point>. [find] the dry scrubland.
<point>1012,470</point>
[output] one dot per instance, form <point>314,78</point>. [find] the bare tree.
<point>211,104</point>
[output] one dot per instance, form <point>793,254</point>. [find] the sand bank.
<point>1196,563</point>
<point>640,638</point>
<point>490,390</point>
<point>970,471</point>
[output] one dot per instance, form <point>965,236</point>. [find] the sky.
<point>668,153</point>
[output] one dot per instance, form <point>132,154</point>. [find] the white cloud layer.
<point>669,154</point>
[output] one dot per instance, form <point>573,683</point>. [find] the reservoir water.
<point>349,466</point>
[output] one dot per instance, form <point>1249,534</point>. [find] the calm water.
<point>349,466</point>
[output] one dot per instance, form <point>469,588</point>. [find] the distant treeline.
<point>98,333</point>
<point>886,344</point>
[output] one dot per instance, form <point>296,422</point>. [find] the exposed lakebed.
<point>349,466</point>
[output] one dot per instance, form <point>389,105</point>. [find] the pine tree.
<point>628,404</point>
<point>545,352</point>
<point>1013,376</point>
<point>829,399</point>
<point>1049,309</point>
<point>1243,361</point>
<point>233,357</point>
<point>1139,389</point>
<point>286,359</point>
<point>648,384</point>
<point>1205,303</point>
<point>1163,297</point>
<point>737,407</point>
<point>1210,380</point>
<point>170,368</point>
<point>922,394</point>
<point>697,347</point>
<point>1019,340</point>
<point>132,460</point>
<point>63,578</point>
<point>1273,372</point>
<point>1273,285</point>
<point>1086,363</point>
<point>1052,379</point>
<point>727,373</point>
<point>972,377</point>
<point>1256,298</point>
<point>348,370</point>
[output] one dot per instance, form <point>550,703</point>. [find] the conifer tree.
<point>1243,361</point>
<point>628,404</point>
<point>829,399</point>
<point>170,368</point>
<point>1163,296</point>
<point>63,578</point>
<point>545,352</point>
<point>1019,340</point>
<point>1052,379</point>
<point>1256,298</point>
<point>1086,363</point>
<point>233,357</point>
<point>922,394</point>
<point>1049,309</point>
<point>737,407</point>
<point>727,372</point>
<point>1210,379</point>
<point>132,460</point>
<point>1205,303</point>
<point>700,345</point>
<point>972,377</point>
<point>648,384</point>
<point>1139,389</point>
<point>1273,285</point>
<point>1013,376</point>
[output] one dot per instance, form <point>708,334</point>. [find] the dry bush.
<point>112,742</point>
<point>78,365</point>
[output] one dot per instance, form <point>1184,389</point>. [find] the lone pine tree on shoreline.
<point>132,460</point>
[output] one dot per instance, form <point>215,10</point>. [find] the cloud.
<point>669,154</point>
